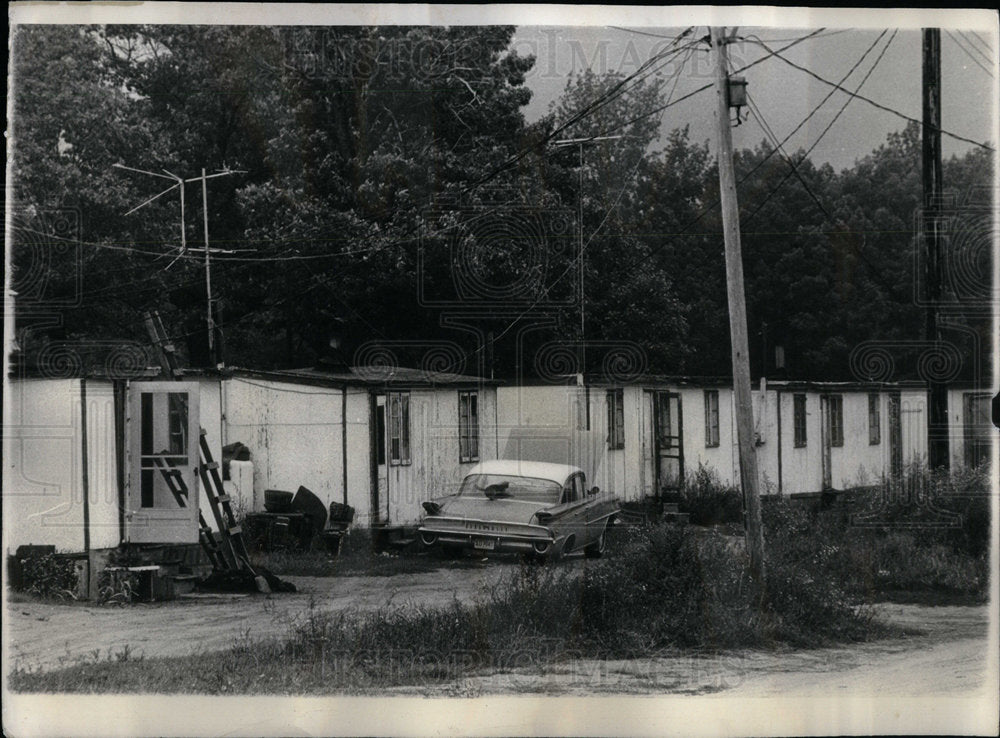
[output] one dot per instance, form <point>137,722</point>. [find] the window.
<point>874,419</point>
<point>616,419</point>
<point>799,420</point>
<point>574,491</point>
<point>399,428</point>
<point>977,428</point>
<point>468,426</point>
<point>711,418</point>
<point>835,420</point>
<point>177,423</point>
<point>380,436</point>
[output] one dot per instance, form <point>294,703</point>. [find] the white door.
<point>163,451</point>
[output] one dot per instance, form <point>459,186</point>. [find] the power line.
<point>984,42</point>
<point>684,229</point>
<point>829,125</point>
<point>604,99</point>
<point>645,33</point>
<point>868,100</point>
<point>969,54</point>
<point>812,112</point>
<point>681,99</point>
<point>467,355</point>
<point>793,166</point>
<point>987,55</point>
<point>706,210</point>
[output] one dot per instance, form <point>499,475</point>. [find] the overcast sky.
<point>783,94</point>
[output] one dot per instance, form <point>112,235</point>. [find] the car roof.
<point>518,468</point>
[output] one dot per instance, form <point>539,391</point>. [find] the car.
<point>539,509</point>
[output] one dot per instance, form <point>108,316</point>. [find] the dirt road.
<point>44,636</point>
<point>947,657</point>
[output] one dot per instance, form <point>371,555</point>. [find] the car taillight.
<point>432,508</point>
<point>543,517</point>
<point>541,547</point>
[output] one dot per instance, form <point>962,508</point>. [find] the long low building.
<point>810,436</point>
<point>80,453</point>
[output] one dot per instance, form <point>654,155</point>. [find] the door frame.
<point>895,420</point>
<point>826,443</point>
<point>174,525</point>
<point>374,406</point>
<point>677,437</point>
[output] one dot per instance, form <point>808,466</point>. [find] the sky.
<point>785,95</point>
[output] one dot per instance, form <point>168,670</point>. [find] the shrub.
<point>708,501</point>
<point>49,575</point>
<point>670,587</point>
<point>868,561</point>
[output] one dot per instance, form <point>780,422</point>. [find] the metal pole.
<point>583,309</point>
<point>208,269</point>
<point>183,236</point>
<point>738,317</point>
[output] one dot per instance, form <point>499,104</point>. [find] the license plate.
<point>486,544</point>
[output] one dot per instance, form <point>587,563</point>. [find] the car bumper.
<point>485,535</point>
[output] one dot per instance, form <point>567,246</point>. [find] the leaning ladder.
<point>230,552</point>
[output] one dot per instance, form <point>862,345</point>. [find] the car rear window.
<point>529,489</point>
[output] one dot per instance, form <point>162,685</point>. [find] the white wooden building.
<point>75,454</point>
<point>811,436</point>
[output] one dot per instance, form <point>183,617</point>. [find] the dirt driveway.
<point>949,656</point>
<point>43,635</point>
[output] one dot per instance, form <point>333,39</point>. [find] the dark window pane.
<point>146,401</point>
<point>146,487</point>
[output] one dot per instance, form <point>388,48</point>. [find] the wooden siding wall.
<point>42,464</point>
<point>629,472</point>
<point>434,469</point>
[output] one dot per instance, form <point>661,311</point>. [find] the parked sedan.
<point>535,508</point>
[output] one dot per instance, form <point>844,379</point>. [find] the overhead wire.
<point>694,92</point>
<point>987,55</point>
<point>871,102</point>
<point>984,42</point>
<point>715,202</point>
<point>829,125</point>
<point>575,263</point>
<point>968,53</point>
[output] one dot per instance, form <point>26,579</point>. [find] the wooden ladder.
<point>231,551</point>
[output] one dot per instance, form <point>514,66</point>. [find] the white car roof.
<point>536,469</point>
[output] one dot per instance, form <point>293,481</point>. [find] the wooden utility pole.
<point>738,316</point>
<point>937,392</point>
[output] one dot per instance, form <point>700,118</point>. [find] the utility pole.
<point>738,317</point>
<point>937,392</point>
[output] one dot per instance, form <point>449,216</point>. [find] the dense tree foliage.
<point>386,177</point>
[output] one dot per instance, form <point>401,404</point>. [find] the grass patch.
<point>929,534</point>
<point>668,589</point>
